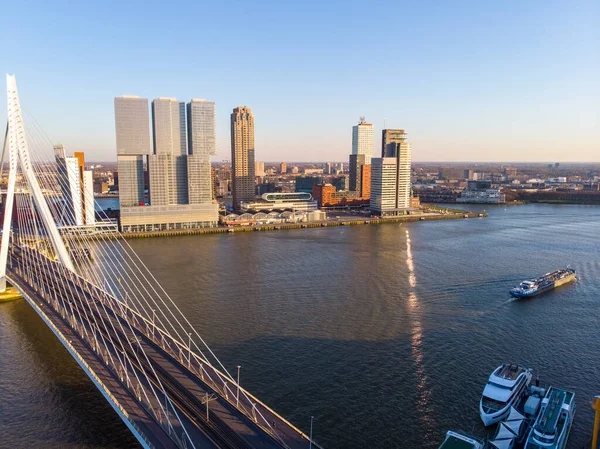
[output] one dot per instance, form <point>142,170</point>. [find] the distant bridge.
<point>115,319</point>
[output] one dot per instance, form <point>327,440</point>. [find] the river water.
<point>386,333</point>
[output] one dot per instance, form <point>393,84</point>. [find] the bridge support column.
<point>18,151</point>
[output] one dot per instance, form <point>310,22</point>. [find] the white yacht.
<point>505,386</point>
<point>553,424</point>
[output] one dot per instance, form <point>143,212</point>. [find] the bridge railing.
<point>124,371</point>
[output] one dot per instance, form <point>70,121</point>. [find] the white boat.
<point>553,424</point>
<point>455,440</point>
<point>505,387</point>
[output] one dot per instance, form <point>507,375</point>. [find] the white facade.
<point>362,139</point>
<point>404,163</point>
<point>390,179</point>
<point>383,184</point>
<point>88,195</point>
<point>73,205</point>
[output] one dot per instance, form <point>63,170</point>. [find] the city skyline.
<point>482,84</point>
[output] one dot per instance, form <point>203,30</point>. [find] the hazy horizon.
<point>471,81</point>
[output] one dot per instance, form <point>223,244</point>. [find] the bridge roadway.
<point>227,426</point>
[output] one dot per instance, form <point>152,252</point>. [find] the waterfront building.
<point>362,139</point>
<point>242,155</point>
<point>390,137</point>
<point>167,166</point>
<point>133,145</point>
<point>390,180</point>
<point>294,201</point>
<point>202,144</point>
<point>180,184</point>
<point>327,195</point>
<point>283,168</point>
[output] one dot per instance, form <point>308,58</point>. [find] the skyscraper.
<point>242,155</point>
<point>133,143</point>
<point>390,179</point>
<point>362,139</point>
<point>391,136</point>
<point>283,168</point>
<point>168,164</point>
<point>181,194</point>
<point>202,144</point>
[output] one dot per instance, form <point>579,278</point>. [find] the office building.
<point>328,168</point>
<point>362,140</point>
<point>168,165</point>
<point>133,145</point>
<point>283,168</point>
<point>390,180</point>
<point>202,144</point>
<point>388,138</point>
<point>180,184</point>
<point>242,155</point>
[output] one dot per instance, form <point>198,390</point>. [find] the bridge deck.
<point>227,427</point>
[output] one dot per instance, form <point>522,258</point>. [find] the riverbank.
<point>350,221</point>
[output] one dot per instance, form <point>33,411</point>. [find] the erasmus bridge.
<point>115,319</point>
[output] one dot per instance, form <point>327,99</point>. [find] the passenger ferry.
<point>455,440</point>
<point>547,282</point>
<point>553,424</point>
<point>505,387</point>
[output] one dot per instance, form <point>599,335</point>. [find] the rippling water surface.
<point>386,334</point>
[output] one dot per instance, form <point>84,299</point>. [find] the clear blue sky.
<point>468,80</point>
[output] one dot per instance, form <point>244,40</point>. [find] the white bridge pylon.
<point>18,152</point>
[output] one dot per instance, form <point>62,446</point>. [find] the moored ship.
<point>505,387</point>
<point>553,424</point>
<point>547,282</point>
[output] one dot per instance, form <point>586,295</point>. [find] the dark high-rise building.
<point>356,163</point>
